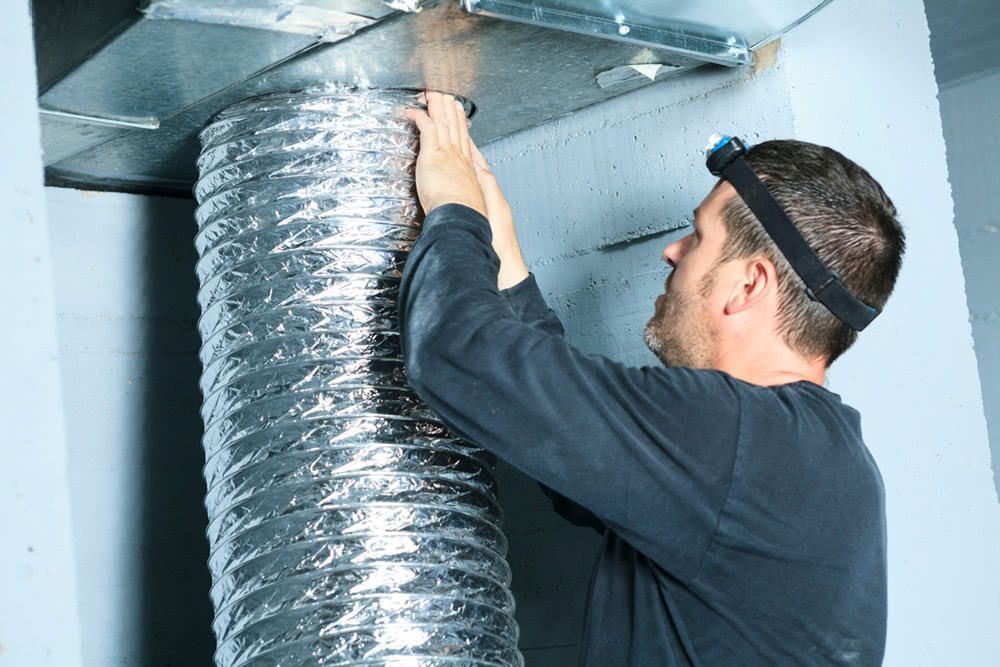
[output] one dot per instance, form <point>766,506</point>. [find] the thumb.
<point>487,179</point>
<point>492,194</point>
<point>477,158</point>
<point>488,183</point>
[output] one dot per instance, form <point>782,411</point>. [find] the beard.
<point>679,333</point>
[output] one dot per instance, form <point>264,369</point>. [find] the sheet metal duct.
<point>347,526</point>
<point>126,87</point>
<point>126,113</point>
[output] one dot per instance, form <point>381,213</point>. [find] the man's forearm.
<point>513,269</point>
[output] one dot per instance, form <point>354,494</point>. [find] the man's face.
<point>683,329</point>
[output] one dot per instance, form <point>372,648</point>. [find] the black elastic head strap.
<point>725,159</point>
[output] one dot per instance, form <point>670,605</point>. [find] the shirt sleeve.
<point>528,305</point>
<point>649,451</point>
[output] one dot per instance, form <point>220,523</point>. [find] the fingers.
<point>428,131</point>
<point>450,125</point>
<point>434,110</point>
<point>438,108</point>
<point>455,124</point>
<point>463,129</point>
<point>446,106</point>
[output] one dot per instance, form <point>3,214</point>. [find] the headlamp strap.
<point>822,284</point>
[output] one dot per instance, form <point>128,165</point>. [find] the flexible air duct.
<point>347,526</point>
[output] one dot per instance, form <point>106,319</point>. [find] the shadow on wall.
<point>175,608</point>
<point>551,561</point>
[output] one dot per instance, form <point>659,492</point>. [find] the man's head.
<point>731,288</point>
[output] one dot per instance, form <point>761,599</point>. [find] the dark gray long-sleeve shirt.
<point>745,525</point>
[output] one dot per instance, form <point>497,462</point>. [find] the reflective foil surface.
<point>347,526</point>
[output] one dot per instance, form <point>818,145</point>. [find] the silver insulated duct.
<point>347,526</point>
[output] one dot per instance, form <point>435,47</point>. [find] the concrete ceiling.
<point>965,37</point>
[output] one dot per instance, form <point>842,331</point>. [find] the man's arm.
<point>521,292</point>
<point>528,305</point>
<point>649,451</point>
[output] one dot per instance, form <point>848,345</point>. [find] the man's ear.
<point>755,280</point>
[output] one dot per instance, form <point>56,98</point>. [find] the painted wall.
<point>125,294</point>
<point>914,376</point>
<point>969,113</point>
<point>38,610</point>
<point>858,77</point>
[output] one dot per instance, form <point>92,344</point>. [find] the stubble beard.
<point>678,333</point>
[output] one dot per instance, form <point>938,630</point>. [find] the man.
<point>744,517</point>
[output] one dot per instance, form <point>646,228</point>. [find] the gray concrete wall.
<point>859,77</point>
<point>970,112</point>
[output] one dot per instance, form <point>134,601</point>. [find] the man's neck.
<point>773,367</point>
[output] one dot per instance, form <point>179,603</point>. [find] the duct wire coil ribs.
<point>347,526</point>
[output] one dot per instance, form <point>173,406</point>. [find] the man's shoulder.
<point>809,428</point>
<point>802,401</point>
<point>799,398</point>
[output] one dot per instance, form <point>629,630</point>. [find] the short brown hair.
<point>847,219</point>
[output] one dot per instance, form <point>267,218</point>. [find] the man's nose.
<point>674,252</point>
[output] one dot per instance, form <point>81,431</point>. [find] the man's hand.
<point>446,173</point>
<point>451,170</point>
<point>512,267</point>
